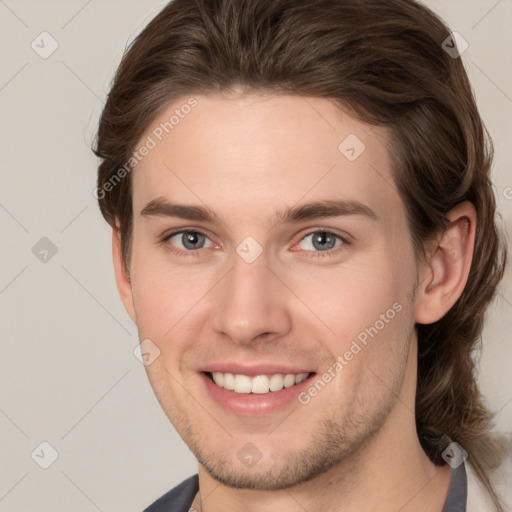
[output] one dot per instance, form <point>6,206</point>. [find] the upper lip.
<point>253,370</point>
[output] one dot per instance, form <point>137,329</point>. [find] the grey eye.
<point>321,241</point>
<point>189,240</point>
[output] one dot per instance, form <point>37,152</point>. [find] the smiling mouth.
<point>259,384</point>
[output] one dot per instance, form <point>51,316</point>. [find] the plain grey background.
<point>68,375</point>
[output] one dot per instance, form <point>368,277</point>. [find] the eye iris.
<point>191,239</point>
<point>324,240</point>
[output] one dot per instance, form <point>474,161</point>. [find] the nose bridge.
<point>252,301</point>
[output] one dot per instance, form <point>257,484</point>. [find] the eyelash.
<point>315,254</point>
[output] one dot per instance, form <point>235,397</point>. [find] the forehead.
<point>262,153</point>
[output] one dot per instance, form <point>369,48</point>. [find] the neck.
<point>389,472</point>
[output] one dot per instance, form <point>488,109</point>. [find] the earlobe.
<point>447,271</point>
<point>124,285</point>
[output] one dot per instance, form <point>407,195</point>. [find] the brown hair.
<point>384,61</point>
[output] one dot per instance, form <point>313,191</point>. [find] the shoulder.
<point>177,499</point>
<point>501,479</point>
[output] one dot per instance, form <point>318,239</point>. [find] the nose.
<point>252,303</point>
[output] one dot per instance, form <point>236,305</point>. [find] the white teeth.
<point>229,381</point>
<point>242,384</point>
<point>218,378</point>
<point>289,380</point>
<point>276,382</point>
<point>261,384</point>
<point>301,377</point>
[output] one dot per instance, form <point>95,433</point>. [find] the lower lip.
<point>254,404</point>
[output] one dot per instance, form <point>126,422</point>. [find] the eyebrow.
<point>309,211</point>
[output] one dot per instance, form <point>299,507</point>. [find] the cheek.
<point>163,298</point>
<point>373,323</point>
<point>163,294</point>
<point>366,307</point>
<point>352,296</point>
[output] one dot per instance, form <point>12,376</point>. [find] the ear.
<point>124,286</point>
<point>443,278</point>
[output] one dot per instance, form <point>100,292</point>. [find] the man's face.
<point>256,293</point>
